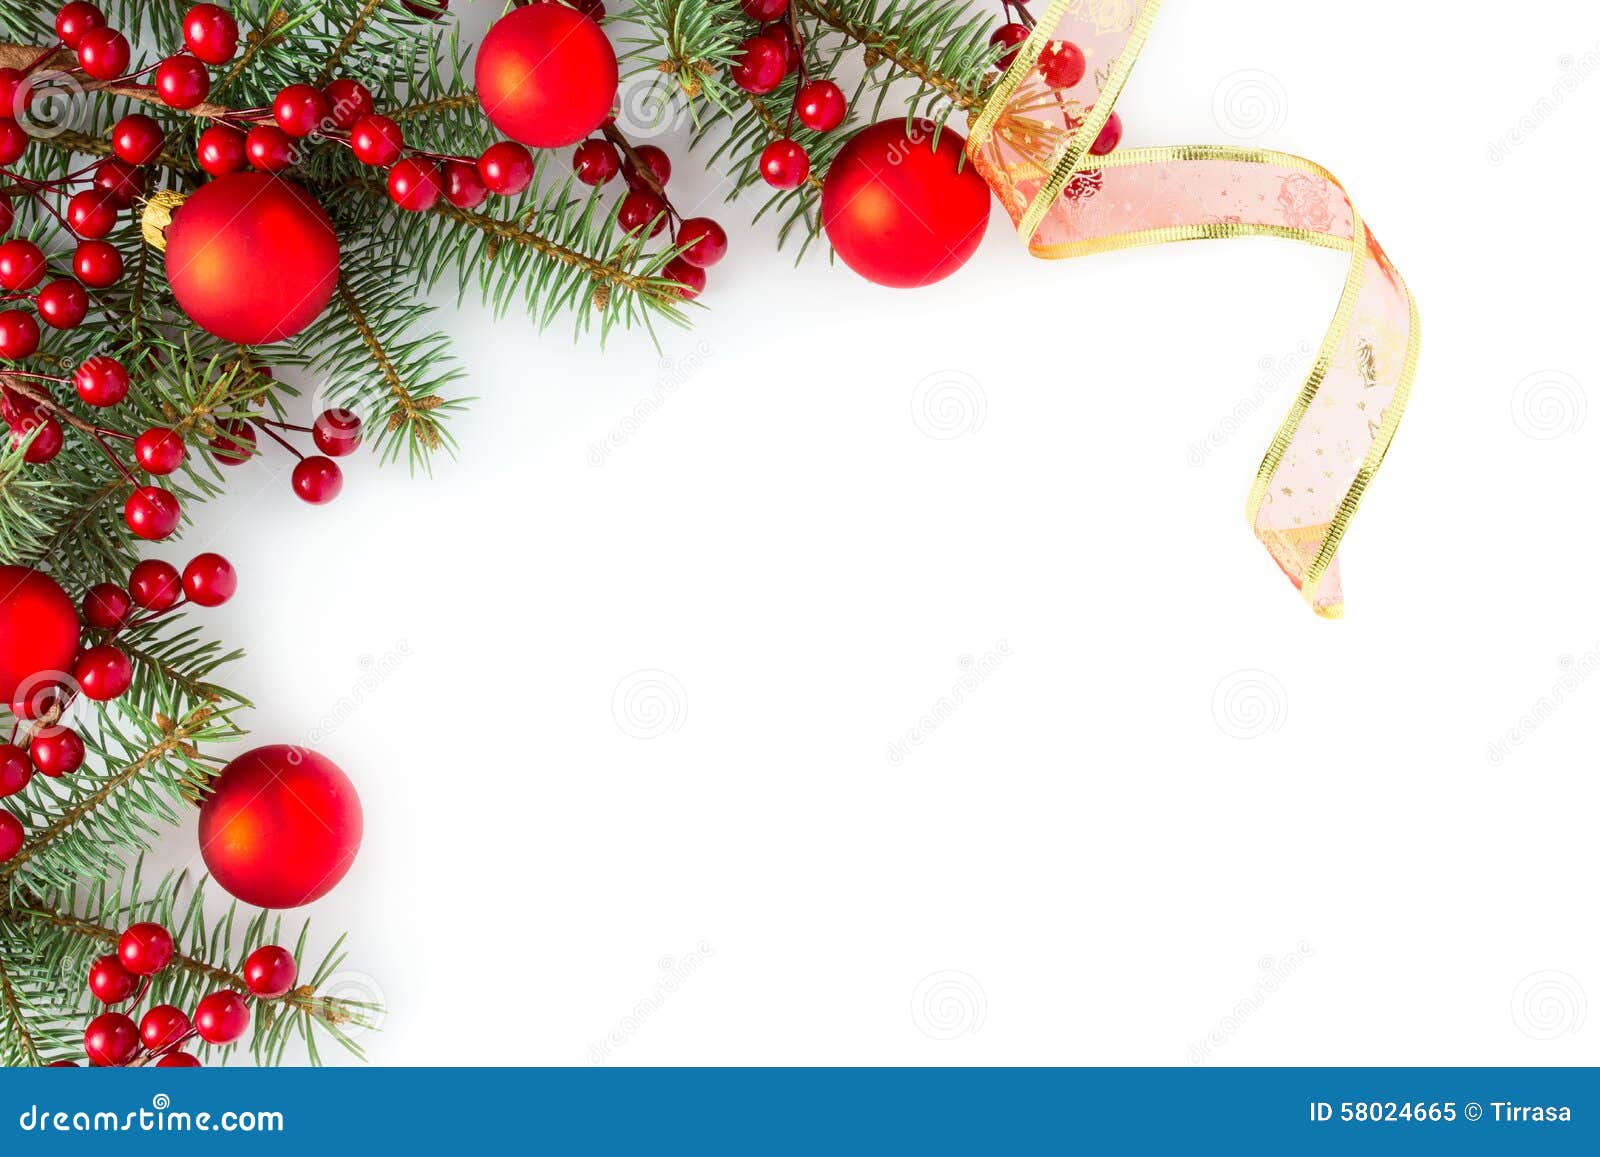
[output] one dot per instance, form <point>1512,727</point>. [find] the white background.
<point>1183,821</point>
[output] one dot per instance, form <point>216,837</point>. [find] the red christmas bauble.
<point>546,75</point>
<point>38,628</point>
<point>281,826</point>
<point>901,212</point>
<point>229,231</point>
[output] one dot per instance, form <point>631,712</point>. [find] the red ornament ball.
<point>145,948</point>
<point>900,211</point>
<point>152,513</point>
<point>56,751</point>
<point>231,229</point>
<point>109,981</point>
<point>281,826</point>
<point>270,971</point>
<point>111,1039</point>
<point>546,75</point>
<point>38,628</point>
<point>209,580</point>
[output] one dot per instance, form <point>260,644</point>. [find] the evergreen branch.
<point>19,1021</point>
<point>352,33</point>
<point>412,412</point>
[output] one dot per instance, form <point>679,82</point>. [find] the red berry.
<point>11,836</point>
<point>376,140</point>
<point>57,751</point>
<point>104,53</point>
<point>209,580</point>
<point>159,450</point>
<point>101,381</point>
<point>76,18</point>
<point>596,162</point>
<point>13,141</point>
<point>270,971</point>
<point>234,443</point>
<point>317,479</point>
<point>703,240</point>
<point>154,584</point>
<point>210,33</point>
<point>111,1039</point>
<point>151,512</point>
<point>106,606</point>
<point>63,304</point>
<point>46,442</point>
<point>92,213</point>
<point>820,105</point>
<point>1062,64</point>
<point>221,150</point>
<point>182,81</point>
<point>760,65</point>
<point>348,101</point>
<point>642,209</point>
<point>97,263</point>
<point>221,1017</point>
<point>19,335</point>
<point>506,168</point>
<point>178,1060</point>
<point>269,148</point>
<point>764,11</point>
<point>103,673</point>
<point>659,164</point>
<point>163,1026</point>
<point>784,164</point>
<point>463,188</point>
<point>8,215</point>
<point>300,109</point>
<point>691,279</point>
<point>145,948</point>
<point>15,769</point>
<point>109,981</point>
<point>21,265</point>
<point>121,180</point>
<point>415,184</point>
<point>779,34</point>
<point>1008,36</point>
<point>137,138</point>
<point>11,87</point>
<point>336,432</point>
<point>1110,136</point>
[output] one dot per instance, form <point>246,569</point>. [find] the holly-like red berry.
<point>97,263</point>
<point>506,168</point>
<point>16,769</point>
<point>235,442</point>
<point>269,148</point>
<point>104,53</point>
<point>270,971</point>
<point>109,981</point>
<point>336,432</point>
<point>145,948</point>
<point>463,188</point>
<point>111,1039</point>
<point>178,1060</point>
<point>1062,64</point>
<point>221,1017</point>
<point>1008,36</point>
<point>8,215</point>
<point>76,18</point>
<point>348,101</point>
<point>159,450</point>
<point>21,265</point>
<point>656,160</point>
<point>163,1026</point>
<point>92,213</point>
<point>154,584</point>
<point>63,304</point>
<point>46,442</point>
<point>57,751</point>
<point>123,181</point>
<point>764,11</point>
<point>820,105</point>
<point>691,279</point>
<point>759,66</point>
<point>182,81</point>
<point>13,141</point>
<point>209,580</point>
<point>1110,136</point>
<point>101,381</point>
<point>211,33</point>
<point>106,606</point>
<point>19,335</point>
<point>596,162</point>
<point>415,184</point>
<point>137,138</point>
<point>103,672</point>
<point>221,150</point>
<point>376,140</point>
<point>784,164</point>
<point>703,240</point>
<point>317,480</point>
<point>12,836</point>
<point>642,209</point>
<point>299,109</point>
<point>152,513</point>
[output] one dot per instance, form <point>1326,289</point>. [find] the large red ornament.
<point>900,211</point>
<point>38,628</point>
<point>546,75</point>
<point>281,826</point>
<point>252,258</point>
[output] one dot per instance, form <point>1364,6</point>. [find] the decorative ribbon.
<point>1031,143</point>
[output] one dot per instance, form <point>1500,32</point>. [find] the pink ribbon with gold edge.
<point>1031,143</point>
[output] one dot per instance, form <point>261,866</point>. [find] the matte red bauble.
<point>546,75</point>
<point>38,628</point>
<point>229,231</point>
<point>901,212</point>
<point>281,826</point>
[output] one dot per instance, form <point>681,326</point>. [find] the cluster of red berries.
<point>765,58</point>
<point>1061,65</point>
<point>124,977</point>
<point>316,478</point>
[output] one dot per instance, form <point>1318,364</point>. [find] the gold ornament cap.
<point>157,215</point>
